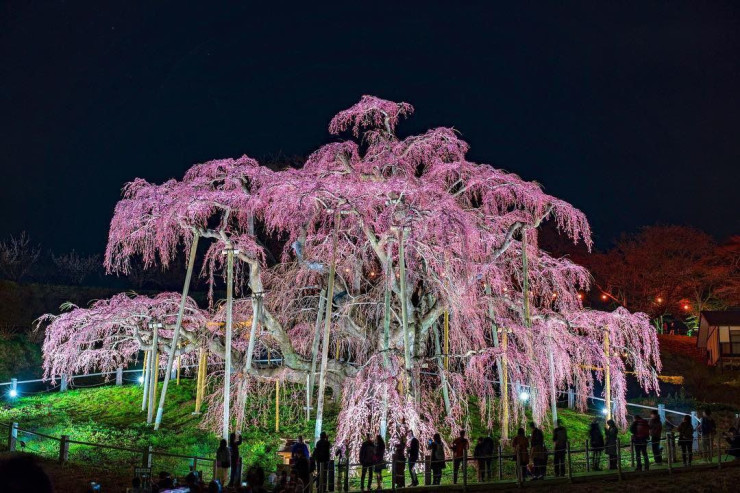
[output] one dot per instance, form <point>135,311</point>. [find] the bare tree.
<point>17,256</point>
<point>73,268</point>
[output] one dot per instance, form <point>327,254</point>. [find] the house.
<point>719,334</point>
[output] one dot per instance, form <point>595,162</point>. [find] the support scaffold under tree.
<point>426,246</point>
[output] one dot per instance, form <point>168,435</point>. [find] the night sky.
<point>630,113</point>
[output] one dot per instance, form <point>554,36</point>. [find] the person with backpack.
<point>539,452</point>
<point>379,460</point>
<point>520,443</point>
<point>656,430</point>
<point>597,445</point>
<point>437,449</point>
<point>479,456</point>
<point>459,449</point>
<point>367,461</point>
<point>686,439</point>
<point>611,433</point>
<point>413,458</point>
<point>399,464</point>
<point>560,442</point>
<point>489,446</point>
<point>640,430</point>
<point>321,457</point>
<point>223,462</point>
<point>707,428</point>
<point>236,470</point>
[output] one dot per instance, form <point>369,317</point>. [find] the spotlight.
<point>13,393</point>
<point>524,395</point>
<point>605,411</point>
<point>141,379</point>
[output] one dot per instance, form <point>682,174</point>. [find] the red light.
<point>659,300</point>
<point>686,307</point>
<point>580,296</point>
<point>604,297</point>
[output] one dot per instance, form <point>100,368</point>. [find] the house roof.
<point>717,318</point>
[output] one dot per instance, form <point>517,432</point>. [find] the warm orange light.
<point>686,307</point>
<point>554,295</point>
<point>580,296</point>
<point>604,297</point>
<point>372,274</point>
<point>659,300</point>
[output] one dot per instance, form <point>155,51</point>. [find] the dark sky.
<point>630,113</point>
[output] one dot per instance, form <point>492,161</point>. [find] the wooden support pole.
<point>179,366</point>
<point>145,376</point>
<point>504,387</point>
<point>408,363</point>
<point>607,377</point>
<point>176,332</point>
<point>446,342</point>
<point>200,380</point>
<point>227,344</point>
<point>327,332</point>
<point>277,406</point>
<point>314,353</point>
<point>153,371</point>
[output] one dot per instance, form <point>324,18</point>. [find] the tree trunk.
<point>176,334</point>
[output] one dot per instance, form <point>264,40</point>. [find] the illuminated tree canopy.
<point>468,234</point>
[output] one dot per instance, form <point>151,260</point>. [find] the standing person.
<point>438,458</point>
<point>539,452</point>
<point>707,428</point>
<point>367,461</point>
<point>489,446</point>
<point>236,470</point>
<point>413,457</point>
<point>521,453</point>
<point>223,462</point>
<point>399,464</point>
<point>732,437</point>
<point>597,445</point>
<point>379,460</point>
<point>300,457</point>
<point>612,435</point>
<point>479,456</point>
<point>640,430</point>
<point>686,439</point>
<point>560,444</point>
<point>321,457</point>
<point>459,449</point>
<point>656,430</point>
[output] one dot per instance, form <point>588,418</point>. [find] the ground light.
<point>524,396</point>
<point>141,379</point>
<point>13,393</point>
<point>605,411</point>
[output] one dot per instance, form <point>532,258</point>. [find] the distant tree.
<point>73,268</point>
<point>17,256</point>
<point>665,270</point>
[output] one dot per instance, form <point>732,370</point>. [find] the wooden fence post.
<point>119,375</point>
<point>694,424</point>
<point>570,462</point>
<point>500,462</point>
<point>619,459</point>
<point>64,449</point>
<point>13,387</point>
<point>465,468</point>
<point>571,398</point>
<point>64,385</point>
<point>427,471</point>
<point>668,442</point>
<point>588,464</point>
<point>661,412</point>
<point>12,436</point>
